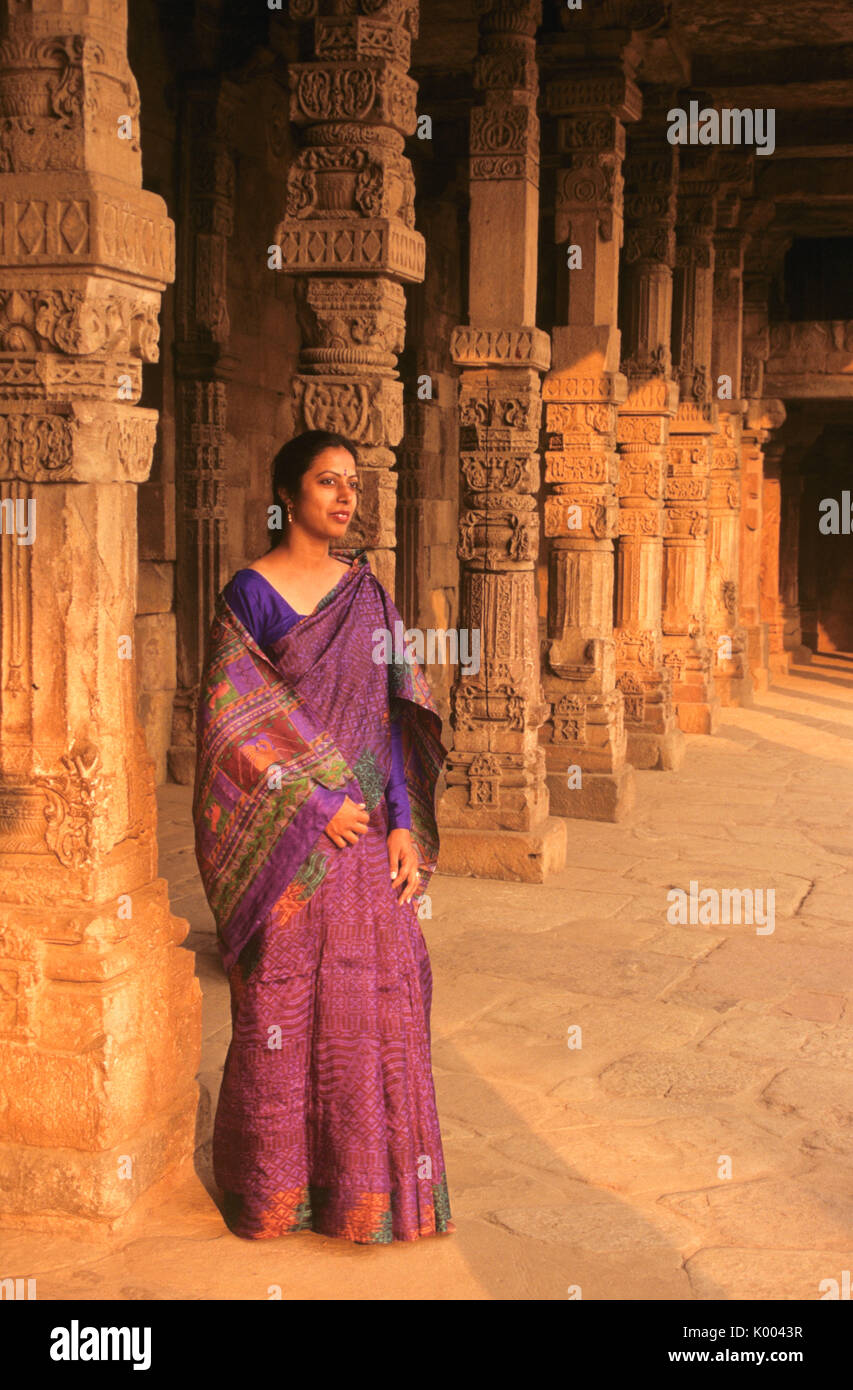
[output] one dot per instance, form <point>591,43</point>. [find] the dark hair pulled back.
<point>294,458</point>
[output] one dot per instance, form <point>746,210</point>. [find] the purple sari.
<point>326,1118</point>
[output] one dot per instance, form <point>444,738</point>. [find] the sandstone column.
<point>789,561</point>
<point>800,433</point>
<point>651,174</point>
<point>206,191</point>
<point>725,636</point>
<point>752,486</point>
<point>770,603</point>
<point>689,460</point>
<point>494,812</point>
<point>763,416</point>
<point>100,1024</point>
<point>582,392</point>
<point>349,231</point>
<point>809,551</point>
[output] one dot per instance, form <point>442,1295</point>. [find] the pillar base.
<point>180,763</point>
<point>699,717</point>
<point>73,1192</point>
<point>734,691</point>
<point>653,752</point>
<point>601,796</point>
<point>758,657</point>
<point>800,656</point>
<point>779,663</point>
<point>521,856</point>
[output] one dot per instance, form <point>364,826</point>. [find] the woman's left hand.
<point>403,858</point>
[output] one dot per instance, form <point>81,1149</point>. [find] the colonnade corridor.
<point>602,1166</point>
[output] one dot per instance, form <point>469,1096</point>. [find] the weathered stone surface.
<point>765,1275</point>
<point>676,1075</point>
<point>741,1214</point>
<point>99,1035</point>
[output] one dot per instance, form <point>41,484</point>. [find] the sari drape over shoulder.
<point>326,1118</point>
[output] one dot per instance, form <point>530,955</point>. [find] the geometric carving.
<point>569,718</point>
<point>633,695</point>
<point>484,777</point>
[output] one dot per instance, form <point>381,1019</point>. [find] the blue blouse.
<point>267,616</point>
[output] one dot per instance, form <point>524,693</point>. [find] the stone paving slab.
<point>698,1144</point>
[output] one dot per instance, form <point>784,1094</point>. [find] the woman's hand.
<point>403,858</point>
<point>347,824</point>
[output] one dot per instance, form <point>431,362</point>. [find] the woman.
<point>315,828</point>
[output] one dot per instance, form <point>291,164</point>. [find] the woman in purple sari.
<point>315,829</point>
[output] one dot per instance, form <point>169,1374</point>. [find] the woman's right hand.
<point>347,824</point>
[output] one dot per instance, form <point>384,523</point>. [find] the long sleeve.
<point>396,793</point>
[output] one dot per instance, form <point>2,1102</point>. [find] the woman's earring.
<point>289,512</point>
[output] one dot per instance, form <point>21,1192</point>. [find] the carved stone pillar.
<point>726,637</point>
<point>689,455</point>
<point>349,231</point>
<point>494,812</point>
<point>808,549</point>
<point>100,1019</point>
<point>206,193</point>
<point>789,562</point>
<point>771,519</point>
<point>582,394</point>
<point>651,173</point>
<point>752,488</point>
<point>762,418</point>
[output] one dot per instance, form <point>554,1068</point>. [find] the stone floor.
<point>601,1167</point>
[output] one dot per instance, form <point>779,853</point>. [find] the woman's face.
<point>328,496</point>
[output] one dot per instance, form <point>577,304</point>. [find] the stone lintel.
<point>810,385</point>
